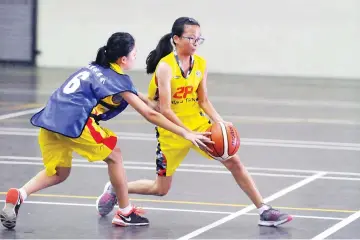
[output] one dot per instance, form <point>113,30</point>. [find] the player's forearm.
<point>210,111</point>
<point>151,103</point>
<point>161,121</point>
<point>143,97</point>
<point>169,114</point>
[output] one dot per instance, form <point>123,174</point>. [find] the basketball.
<point>226,139</point>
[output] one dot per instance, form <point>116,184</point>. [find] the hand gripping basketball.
<point>226,141</point>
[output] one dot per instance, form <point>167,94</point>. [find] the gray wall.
<point>273,37</point>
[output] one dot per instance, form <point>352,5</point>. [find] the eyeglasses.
<point>193,40</point>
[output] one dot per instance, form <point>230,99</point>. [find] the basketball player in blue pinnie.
<point>70,123</point>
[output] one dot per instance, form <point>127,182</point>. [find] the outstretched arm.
<point>159,120</point>
<point>151,103</point>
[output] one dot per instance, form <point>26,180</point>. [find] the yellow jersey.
<point>184,98</point>
<point>110,101</point>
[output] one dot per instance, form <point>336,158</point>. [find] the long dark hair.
<point>164,46</point>
<point>119,44</point>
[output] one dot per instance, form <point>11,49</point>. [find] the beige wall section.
<point>279,37</point>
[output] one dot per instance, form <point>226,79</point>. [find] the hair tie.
<point>172,42</point>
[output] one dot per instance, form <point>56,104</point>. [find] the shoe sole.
<point>8,216</point>
<point>107,208</point>
<point>274,223</point>
<point>121,223</point>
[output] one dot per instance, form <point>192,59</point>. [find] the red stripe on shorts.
<point>110,142</point>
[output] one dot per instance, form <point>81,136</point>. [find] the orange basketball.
<point>227,141</point>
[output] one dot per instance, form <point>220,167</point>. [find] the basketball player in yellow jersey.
<point>179,85</point>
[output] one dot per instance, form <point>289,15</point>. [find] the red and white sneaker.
<point>9,213</point>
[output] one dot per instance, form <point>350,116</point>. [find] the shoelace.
<point>274,211</point>
<point>138,211</point>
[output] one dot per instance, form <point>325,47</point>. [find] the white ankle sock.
<point>23,194</point>
<point>126,210</point>
<point>263,208</point>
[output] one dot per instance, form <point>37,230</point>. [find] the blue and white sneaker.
<point>106,202</point>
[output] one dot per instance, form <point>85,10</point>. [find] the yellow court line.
<point>192,203</point>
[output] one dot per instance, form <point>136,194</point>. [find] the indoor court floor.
<point>300,140</point>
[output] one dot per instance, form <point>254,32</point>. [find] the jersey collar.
<point>180,66</point>
<point>116,68</point>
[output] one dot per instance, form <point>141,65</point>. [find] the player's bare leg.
<point>268,215</point>
<point>15,197</point>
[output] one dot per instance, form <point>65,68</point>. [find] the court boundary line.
<point>134,165</point>
<point>175,210</point>
<point>218,166</point>
<point>252,207</point>
<point>283,102</point>
<point>19,113</point>
<point>181,169</point>
<point>336,146</point>
<point>333,229</point>
<point>261,119</point>
<point>186,170</point>
<point>164,201</point>
<point>152,136</point>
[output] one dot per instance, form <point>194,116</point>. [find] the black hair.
<point>119,44</point>
<point>164,46</point>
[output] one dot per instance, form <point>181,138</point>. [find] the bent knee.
<point>62,174</point>
<point>60,179</point>
<point>115,156</point>
<point>162,186</point>
<point>162,191</point>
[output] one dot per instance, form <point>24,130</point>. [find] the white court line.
<point>186,170</point>
<point>199,166</point>
<point>337,226</point>
<point>175,210</point>
<point>18,114</point>
<point>102,165</point>
<point>240,100</point>
<point>262,119</point>
<point>95,165</point>
<point>305,120</point>
<point>150,163</point>
<point>287,102</point>
<point>279,119</point>
<point>252,207</point>
<point>244,141</point>
<point>152,136</point>
<point>341,178</point>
